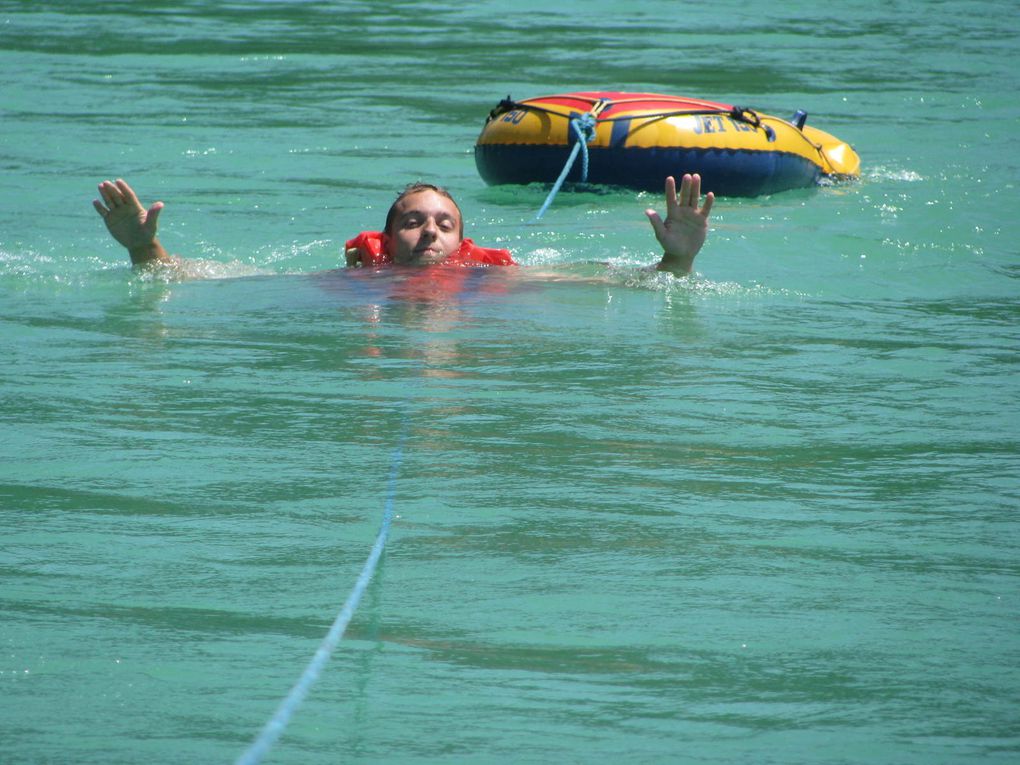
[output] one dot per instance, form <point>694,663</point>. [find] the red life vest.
<point>371,247</point>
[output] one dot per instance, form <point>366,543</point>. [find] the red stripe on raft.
<point>582,101</point>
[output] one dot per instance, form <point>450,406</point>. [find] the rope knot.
<point>584,127</point>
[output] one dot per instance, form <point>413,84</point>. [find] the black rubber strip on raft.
<point>727,172</point>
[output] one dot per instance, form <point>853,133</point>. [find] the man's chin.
<point>427,257</point>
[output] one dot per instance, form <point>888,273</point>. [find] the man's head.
<point>424,225</point>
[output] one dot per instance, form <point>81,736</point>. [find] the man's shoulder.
<point>369,248</point>
<point>489,256</point>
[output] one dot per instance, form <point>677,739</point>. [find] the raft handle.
<point>750,116</point>
<point>504,106</point>
<point>799,118</point>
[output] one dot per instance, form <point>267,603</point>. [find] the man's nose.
<point>430,227</point>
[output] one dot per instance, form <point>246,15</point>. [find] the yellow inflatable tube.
<point>637,139</point>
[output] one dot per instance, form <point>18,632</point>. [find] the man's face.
<point>426,229</point>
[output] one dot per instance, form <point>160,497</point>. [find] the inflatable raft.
<point>637,139</point>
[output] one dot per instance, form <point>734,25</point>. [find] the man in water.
<point>424,227</point>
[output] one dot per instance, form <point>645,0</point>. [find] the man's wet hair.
<point>416,188</point>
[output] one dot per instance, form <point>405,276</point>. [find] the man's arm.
<point>683,232</point>
<point>129,223</point>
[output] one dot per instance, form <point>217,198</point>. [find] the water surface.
<point>765,515</point>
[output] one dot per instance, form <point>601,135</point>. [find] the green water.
<point>765,516</point>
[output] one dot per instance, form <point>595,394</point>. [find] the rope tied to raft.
<point>584,128</point>
<point>584,125</point>
<point>278,722</point>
